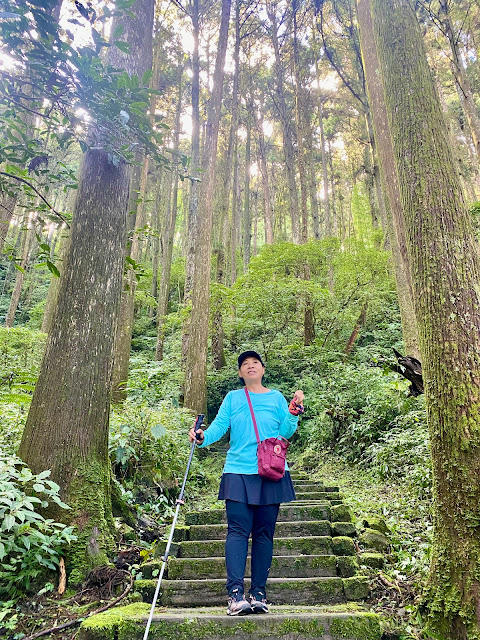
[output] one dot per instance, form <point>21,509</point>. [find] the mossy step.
<point>287,513</point>
<point>318,495</point>
<point>311,545</point>
<point>282,529</point>
<point>297,591</point>
<point>313,503</point>
<point>284,623</point>
<point>311,484</point>
<point>282,567</point>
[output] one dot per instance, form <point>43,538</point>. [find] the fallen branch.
<point>388,583</point>
<point>79,620</point>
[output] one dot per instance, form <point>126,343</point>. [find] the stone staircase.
<point>313,585</point>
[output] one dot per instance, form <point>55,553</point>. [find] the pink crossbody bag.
<point>271,452</point>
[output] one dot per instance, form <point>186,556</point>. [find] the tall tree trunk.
<point>312,177</point>
<point>395,216</point>
<point>156,242</point>
<point>299,106</point>
<point>196,366</point>
<point>461,78</point>
<point>326,196</point>
<point>7,207</point>
<point>192,232</point>
<point>195,157</point>
<point>218,354</point>
<point>54,288</point>
<point>247,215</point>
<point>262,162</point>
<point>123,339</point>
<point>224,202</point>
<point>333,208</point>
<point>67,425</point>
<point>235,214</point>
<point>445,275</point>
<point>171,219</point>
<point>17,289</point>
<point>287,131</point>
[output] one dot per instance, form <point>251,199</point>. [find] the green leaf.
<point>83,146</point>
<point>158,431</point>
<point>123,46</point>
<point>53,269</point>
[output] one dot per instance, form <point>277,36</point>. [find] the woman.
<point>252,502</point>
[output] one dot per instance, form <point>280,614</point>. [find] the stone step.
<point>309,485</point>
<point>281,567</point>
<point>282,530</point>
<point>287,513</point>
<point>318,495</point>
<point>282,623</point>
<point>311,545</point>
<point>305,502</point>
<point>296,591</point>
<point>301,528</point>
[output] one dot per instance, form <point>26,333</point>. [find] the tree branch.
<point>10,175</point>
<point>79,620</point>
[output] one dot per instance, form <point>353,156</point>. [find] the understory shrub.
<point>30,544</point>
<point>149,444</point>
<point>404,452</point>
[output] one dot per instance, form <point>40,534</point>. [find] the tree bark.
<point>461,78</point>
<point>394,209</point>
<point>54,288</point>
<point>194,185</point>
<point>17,289</point>
<point>171,219</point>
<point>262,162</point>
<point>287,131</point>
<point>445,275</point>
<point>196,366</point>
<point>247,214</point>
<point>67,425</point>
<point>327,218</point>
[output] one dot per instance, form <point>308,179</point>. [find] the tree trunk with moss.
<point>395,223</point>
<point>445,274</point>
<point>67,425</point>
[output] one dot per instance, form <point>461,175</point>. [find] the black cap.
<point>249,354</point>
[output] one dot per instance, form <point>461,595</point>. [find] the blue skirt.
<point>253,489</point>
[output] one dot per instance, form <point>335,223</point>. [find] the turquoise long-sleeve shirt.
<point>273,420</point>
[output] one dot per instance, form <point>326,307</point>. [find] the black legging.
<point>243,520</point>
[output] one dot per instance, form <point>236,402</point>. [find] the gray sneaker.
<point>258,602</point>
<point>237,605</point>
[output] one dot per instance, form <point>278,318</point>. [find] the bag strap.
<point>253,415</point>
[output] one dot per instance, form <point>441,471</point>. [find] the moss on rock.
<point>361,627</point>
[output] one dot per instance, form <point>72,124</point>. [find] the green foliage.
<point>20,355</point>
<point>270,299</point>
<point>405,451</point>
<point>55,82</point>
<point>14,416</point>
<point>149,445</point>
<point>30,544</point>
<point>353,406</point>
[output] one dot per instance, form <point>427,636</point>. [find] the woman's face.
<point>252,370</point>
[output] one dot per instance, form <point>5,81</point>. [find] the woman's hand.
<point>296,405</point>
<point>198,435</point>
<point>299,397</point>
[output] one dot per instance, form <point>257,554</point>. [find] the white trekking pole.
<point>180,501</point>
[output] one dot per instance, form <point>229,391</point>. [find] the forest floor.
<point>395,589</point>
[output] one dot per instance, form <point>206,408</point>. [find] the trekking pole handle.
<point>198,424</point>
